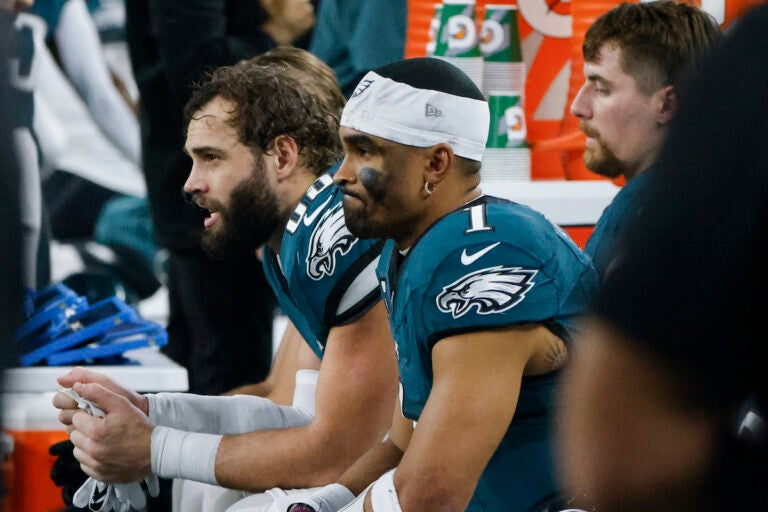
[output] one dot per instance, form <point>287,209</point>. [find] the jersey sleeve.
<point>336,270</point>
<point>485,285</point>
<point>358,290</point>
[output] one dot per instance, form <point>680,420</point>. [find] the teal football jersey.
<point>324,276</point>
<point>603,245</point>
<point>490,264</point>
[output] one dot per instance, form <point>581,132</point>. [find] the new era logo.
<point>361,87</point>
<point>432,111</point>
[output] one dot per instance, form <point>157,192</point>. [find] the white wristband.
<point>330,497</point>
<point>356,505</point>
<point>178,454</point>
<point>222,414</point>
<point>384,494</point>
<point>304,391</point>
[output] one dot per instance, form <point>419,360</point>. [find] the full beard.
<point>251,218</point>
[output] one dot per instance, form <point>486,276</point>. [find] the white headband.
<point>418,117</point>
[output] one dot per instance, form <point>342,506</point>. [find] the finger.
<point>80,374</point>
<point>85,423</point>
<point>82,456</point>
<point>106,400</point>
<point>63,401</point>
<point>88,471</point>
<point>65,416</point>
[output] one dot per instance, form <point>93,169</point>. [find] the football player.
<point>262,139</point>
<point>484,296</point>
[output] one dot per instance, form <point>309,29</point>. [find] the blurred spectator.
<point>220,327</point>
<point>355,36</point>
<point>72,31</point>
<point>22,80</point>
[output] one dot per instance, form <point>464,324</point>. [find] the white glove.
<point>95,495</point>
<point>324,499</point>
<point>133,495</point>
<point>104,497</point>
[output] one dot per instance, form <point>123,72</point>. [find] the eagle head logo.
<point>329,239</point>
<point>490,290</point>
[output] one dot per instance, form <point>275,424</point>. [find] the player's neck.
<point>289,196</point>
<point>440,203</point>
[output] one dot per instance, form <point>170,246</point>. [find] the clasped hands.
<point>111,434</point>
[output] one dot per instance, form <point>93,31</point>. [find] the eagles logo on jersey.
<point>330,239</point>
<point>490,290</point>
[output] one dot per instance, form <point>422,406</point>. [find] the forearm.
<point>222,415</point>
<point>371,466</point>
<point>189,439</point>
<point>289,458</point>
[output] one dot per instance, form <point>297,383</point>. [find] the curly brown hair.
<point>315,74</point>
<point>666,37</point>
<point>270,102</point>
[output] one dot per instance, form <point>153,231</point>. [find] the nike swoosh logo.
<point>468,259</point>
<point>309,219</point>
<point>98,497</point>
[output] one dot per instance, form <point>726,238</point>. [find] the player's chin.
<point>353,206</point>
<point>595,162</point>
<point>214,246</point>
<point>358,224</point>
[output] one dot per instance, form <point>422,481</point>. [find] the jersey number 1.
<point>478,220</point>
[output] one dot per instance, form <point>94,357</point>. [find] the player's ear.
<point>441,158</point>
<point>286,150</point>
<point>667,106</point>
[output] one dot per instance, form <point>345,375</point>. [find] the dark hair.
<point>270,102</point>
<point>669,36</point>
<point>467,166</point>
<point>432,74</point>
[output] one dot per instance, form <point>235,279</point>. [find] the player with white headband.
<point>483,297</point>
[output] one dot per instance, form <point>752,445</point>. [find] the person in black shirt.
<point>664,405</point>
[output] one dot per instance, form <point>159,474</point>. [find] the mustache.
<point>346,192</point>
<point>199,203</point>
<point>588,131</point>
